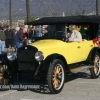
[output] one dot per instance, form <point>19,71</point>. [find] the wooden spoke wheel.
<point>96,64</point>
<point>4,75</point>
<point>56,76</point>
<point>95,71</point>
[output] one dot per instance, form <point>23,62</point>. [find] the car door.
<point>86,48</point>
<point>75,52</point>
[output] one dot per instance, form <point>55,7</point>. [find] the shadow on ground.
<point>27,83</point>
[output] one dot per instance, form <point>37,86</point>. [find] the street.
<point>77,87</point>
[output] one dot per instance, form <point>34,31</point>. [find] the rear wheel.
<point>95,71</point>
<point>56,76</point>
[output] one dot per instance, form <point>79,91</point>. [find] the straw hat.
<point>72,27</point>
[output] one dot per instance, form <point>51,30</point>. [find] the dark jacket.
<point>32,33</point>
<point>18,36</point>
<point>9,34</point>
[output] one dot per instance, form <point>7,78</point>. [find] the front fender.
<point>50,58</point>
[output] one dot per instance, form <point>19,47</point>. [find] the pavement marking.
<point>7,93</point>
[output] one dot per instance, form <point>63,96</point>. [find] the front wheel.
<point>5,77</point>
<point>95,71</point>
<point>56,76</point>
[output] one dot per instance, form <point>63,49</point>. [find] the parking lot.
<point>77,87</point>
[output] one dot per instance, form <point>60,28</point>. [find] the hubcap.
<point>58,77</point>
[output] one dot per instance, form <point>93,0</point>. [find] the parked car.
<point>50,58</point>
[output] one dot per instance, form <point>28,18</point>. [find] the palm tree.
<point>28,10</point>
<point>96,7</point>
<point>10,12</point>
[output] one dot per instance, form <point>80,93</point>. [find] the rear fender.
<point>92,54</point>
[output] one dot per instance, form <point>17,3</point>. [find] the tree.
<point>96,7</point>
<point>83,12</point>
<point>10,12</point>
<point>28,10</point>
<point>32,18</point>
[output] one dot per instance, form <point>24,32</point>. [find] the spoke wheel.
<point>56,76</point>
<point>4,75</point>
<point>96,64</point>
<point>95,71</point>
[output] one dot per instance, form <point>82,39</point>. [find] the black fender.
<point>50,58</point>
<point>92,54</point>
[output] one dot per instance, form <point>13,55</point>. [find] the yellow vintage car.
<point>52,56</point>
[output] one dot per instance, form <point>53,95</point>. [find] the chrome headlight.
<point>39,56</point>
<point>11,56</point>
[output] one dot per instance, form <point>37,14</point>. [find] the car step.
<point>81,68</point>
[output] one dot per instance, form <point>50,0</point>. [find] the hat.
<point>72,27</point>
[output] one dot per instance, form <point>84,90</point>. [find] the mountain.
<point>41,8</point>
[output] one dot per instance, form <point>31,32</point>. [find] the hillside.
<point>41,8</point>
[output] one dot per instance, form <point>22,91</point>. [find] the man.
<point>18,37</point>
<point>25,33</point>
<point>2,40</point>
<point>9,38</point>
<point>76,35</point>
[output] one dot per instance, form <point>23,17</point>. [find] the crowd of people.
<point>12,39</point>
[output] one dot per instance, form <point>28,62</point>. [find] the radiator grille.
<point>26,55</point>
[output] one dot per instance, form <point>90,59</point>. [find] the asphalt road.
<point>77,87</point>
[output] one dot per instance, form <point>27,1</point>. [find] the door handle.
<point>78,47</point>
<point>91,45</point>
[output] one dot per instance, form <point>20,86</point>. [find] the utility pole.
<point>10,13</point>
<point>28,10</point>
<point>96,7</point>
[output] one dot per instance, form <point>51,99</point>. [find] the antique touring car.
<point>51,57</point>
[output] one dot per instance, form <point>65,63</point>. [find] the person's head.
<point>26,26</point>
<point>72,27</point>
<point>17,29</point>
<point>8,27</point>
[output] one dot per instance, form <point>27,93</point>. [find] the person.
<point>76,35</point>
<point>33,32</point>
<point>2,41</point>
<point>51,31</point>
<point>9,38</point>
<point>18,37</point>
<point>82,31</point>
<point>25,34</point>
<point>40,31</point>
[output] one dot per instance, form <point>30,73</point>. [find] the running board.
<point>81,68</point>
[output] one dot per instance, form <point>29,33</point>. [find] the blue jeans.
<point>2,46</point>
<point>40,35</point>
<point>17,44</point>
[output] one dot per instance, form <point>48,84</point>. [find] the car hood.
<point>47,44</point>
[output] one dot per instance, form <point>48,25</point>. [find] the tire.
<point>56,76</point>
<point>5,77</point>
<point>95,70</point>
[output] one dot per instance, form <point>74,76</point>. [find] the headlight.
<point>11,56</point>
<point>39,56</point>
